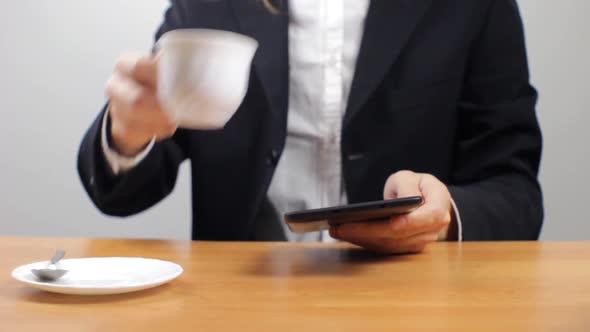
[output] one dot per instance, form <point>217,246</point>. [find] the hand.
<point>408,233</point>
<point>135,113</point>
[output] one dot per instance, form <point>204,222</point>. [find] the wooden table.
<point>529,286</point>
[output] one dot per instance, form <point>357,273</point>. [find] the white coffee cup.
<point>203,75</point>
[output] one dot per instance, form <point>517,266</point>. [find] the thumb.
<point>402,184</point>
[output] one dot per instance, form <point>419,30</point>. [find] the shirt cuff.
<point>458,220</point>
<point>118,163</point>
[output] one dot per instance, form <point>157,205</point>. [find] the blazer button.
<point>355,156</point>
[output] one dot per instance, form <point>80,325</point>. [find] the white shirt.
<point>324,41</point>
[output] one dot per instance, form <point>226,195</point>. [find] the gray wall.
<point>559,52</point>
<point>55,56</point>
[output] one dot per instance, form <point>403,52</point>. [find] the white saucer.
<point>102,275</point>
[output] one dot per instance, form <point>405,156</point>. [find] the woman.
<point>348,101</point>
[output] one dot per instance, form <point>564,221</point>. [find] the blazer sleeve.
<point>147,183</point>
<point>498,146</point>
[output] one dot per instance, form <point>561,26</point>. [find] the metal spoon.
<point>51,272</point>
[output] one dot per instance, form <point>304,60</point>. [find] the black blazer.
<point>441,87</point>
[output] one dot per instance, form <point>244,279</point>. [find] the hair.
<point>271,7</point>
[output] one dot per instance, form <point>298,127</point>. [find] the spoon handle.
<point>59,254</point>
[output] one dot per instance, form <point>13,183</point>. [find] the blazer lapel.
<point>388,28</point>
<point>271,62</point>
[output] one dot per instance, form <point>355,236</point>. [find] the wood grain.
<point>502,286</point>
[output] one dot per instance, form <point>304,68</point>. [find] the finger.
<point>143,69</point>
<point>135,133</point>
<point>398,227</point>
<point>147,112</point>
<point>433,215</point>
<point>361,230</point>
<point>414,244</point>
<point>164,132</point>
<point>402,184</point>
<point>134,98</point>
<point>133,121</point>
<point>435,193</point>
<point>424,219</point>
<point>123,90</point>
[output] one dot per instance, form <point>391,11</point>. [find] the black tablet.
<point>320,219</point>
